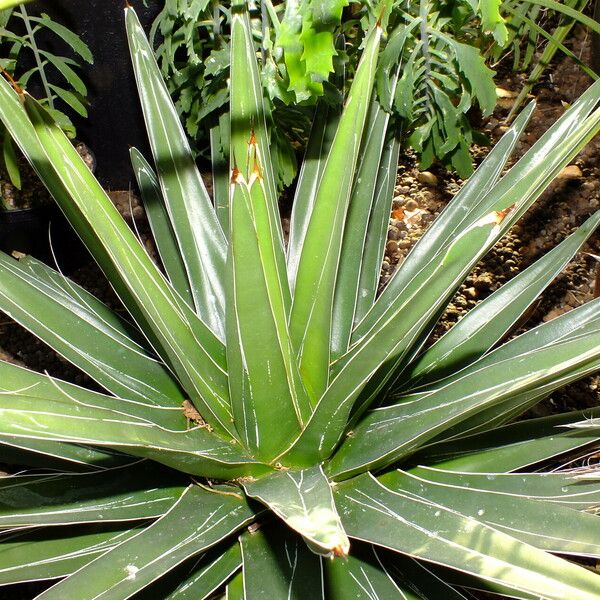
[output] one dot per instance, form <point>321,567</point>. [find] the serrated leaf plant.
<point>270,425</point>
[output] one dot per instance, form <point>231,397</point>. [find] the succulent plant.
<point>271,425</point>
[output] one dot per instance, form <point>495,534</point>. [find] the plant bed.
<point>283,414</point>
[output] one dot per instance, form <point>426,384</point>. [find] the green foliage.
<point>438,49</point>
<point>55,74</point>
<point>270,425</point>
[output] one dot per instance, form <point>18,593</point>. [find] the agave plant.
<point>271,426</point>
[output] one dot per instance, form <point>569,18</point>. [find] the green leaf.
<point>87,333</point>
<point>249,137</point>
<point>160,224</point>
<point>322,133</point>
<point>303,499</point>
<point>544,525</point>
<point>59,456</point>
<point>388,63</point>
<point>198,520</point>
<point>277,564</point>
<point>69,98</point>
<point>569,12</point>
<point>129,493</point>
<point>5,4</point>
<point>220,151</point>
<point>39,407</point>
<point>401,428</point>
<point>347,290</point>
<point>311,318</point>
<point>11,162</point>
<point>429,531</point>
<point>62,65</point>
<point>481,78</point>
<point>184,341</point>
<point>402,325</point>
<point>268,399</point>
<point>568,488</point>
<point>209,576</point>
<point>361,575</point>
<point>490,320</point>
<point>194,221</point>
<point>570,326</point>
<point>289,40</point>
<point>456,217</point>
<point>235,588</point>
<point>390,341</point>
<point>39,554</point>
<point>511,447</point>
<point>420,577</point>
<point>65,34</point>
<point>492,21</point>
<point>376,236</point>
<point>404,98</point>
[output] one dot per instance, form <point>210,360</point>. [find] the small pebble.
<point>428,178</point>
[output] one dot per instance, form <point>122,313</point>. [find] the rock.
<point>570,172</point>
<point>427,177</point>
<point>392,247</point>
<point>393,232</point>
<point>502,93</point>
<point>483,282</point>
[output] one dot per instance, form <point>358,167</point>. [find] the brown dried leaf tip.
<point>235,176</point>
<point>12,82</point>
<point>502,214</point>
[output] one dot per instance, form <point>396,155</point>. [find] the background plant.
<point>262,405</point>
<point>55,75</point>
<point>443,51</point>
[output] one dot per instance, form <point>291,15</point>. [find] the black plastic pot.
<point>44,233</point>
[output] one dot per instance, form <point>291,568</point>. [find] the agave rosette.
<point>270,424</point>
